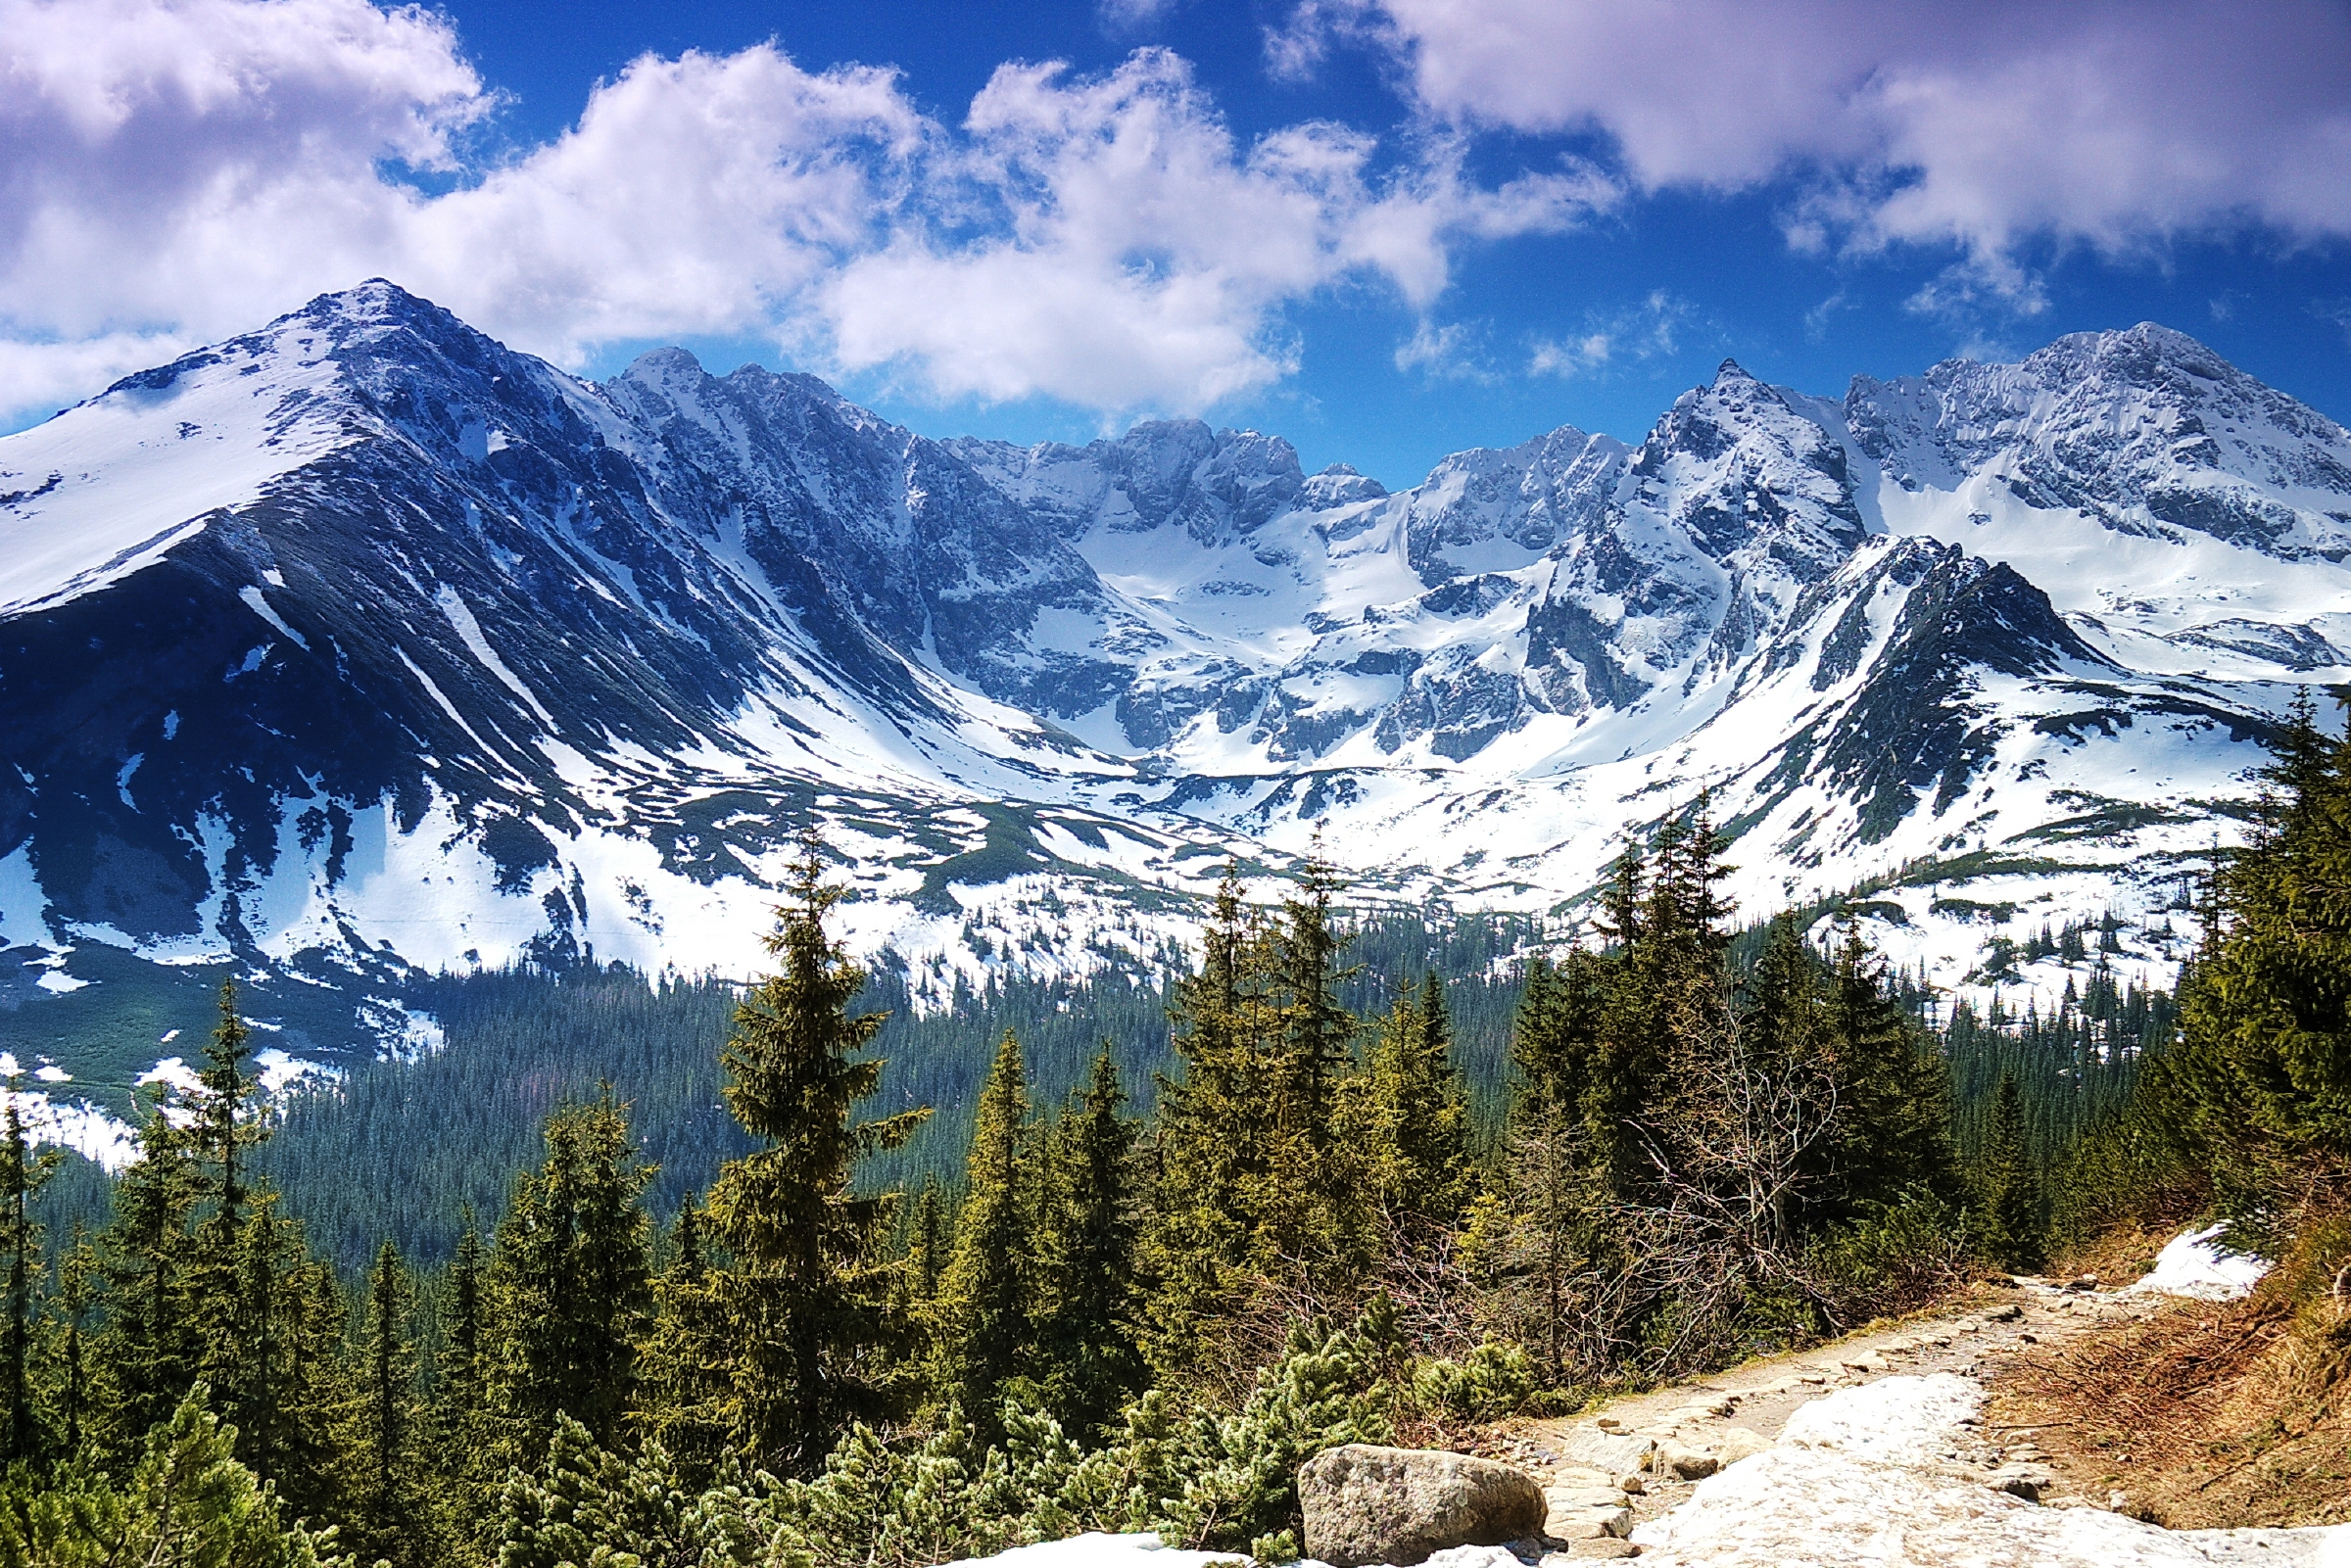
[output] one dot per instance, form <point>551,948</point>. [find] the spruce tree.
<point>21,1174</point>
<point>572,1281</point>
<point>1892,1092</point>
<point>1418,1131</point>
<point>1088,1339</point>
<point>984,1301</point>
<point>464,1416</point>
<point>686,1388</point>
<point>149,1356</point>
<point>2259,1084</point>
<point>1210,1153</point>
<point>2009,1184</point>
<point>384,1515</point>
<point>228,1302</point>
<point>1555,1178</point>
<point>927,1243</point>
<point>806,1291</point>
<point>78,1277</point>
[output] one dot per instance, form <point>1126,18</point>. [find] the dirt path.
<point>1612,1469</point>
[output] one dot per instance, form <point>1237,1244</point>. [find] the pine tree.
<point>1418,1122</point>
<point>385,1515</point>
<point>985,1302</point>
<point>2259,1084</point>
<point>687,1385</point>
<point>228,1302</point>
<point>1210,1150</point>
<point>2010,1185</point>
<point>805,1292</point>
<point>572,1281</point>
<point>1087,1338</point>
<point>76,1299</point>
<point>928,1245</point>
<point>150,1352</point>
<point>21,1174</point>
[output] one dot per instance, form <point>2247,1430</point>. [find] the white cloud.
<point>1642,332</point>
<point>1134,253</point>
<point>1448,352</point>
<point>182,169</point>
<point>2115,122</point>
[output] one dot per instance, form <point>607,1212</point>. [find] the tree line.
<point>1132,1321</point>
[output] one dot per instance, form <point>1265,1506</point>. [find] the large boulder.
<point>1367,1505</point>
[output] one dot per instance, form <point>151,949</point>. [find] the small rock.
<point>1367,1505</point>
<point>1739,1444</point>
<point>1610,1452</point>
<point>1631,1484</point>
<point>1602,1547</point>
<point>2020,1483</point>
<point>1683,1463</point>
<point>1588,1524</point>
<point>1580,1475</point>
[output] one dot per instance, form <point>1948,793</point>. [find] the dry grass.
<point>2204,1415</point>
<point>2124,1253</point>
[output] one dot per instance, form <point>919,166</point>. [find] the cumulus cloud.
<point>178,170</point>
<point>2111,122</point>
<point>1133,251</point>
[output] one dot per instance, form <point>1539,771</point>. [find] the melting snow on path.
<point>1094,1549</point>
<point>1873,1477</point>
<point>2194,1264</point>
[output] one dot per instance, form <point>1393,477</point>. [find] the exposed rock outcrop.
<point>1367,1505</point>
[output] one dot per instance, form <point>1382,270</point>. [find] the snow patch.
<point>1896,1420</point>
<point>1863,1479</point>
<point>1094,1549</point>
<point>2193,1263</point>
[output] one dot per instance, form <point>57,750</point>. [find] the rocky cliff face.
<point>361,641</point>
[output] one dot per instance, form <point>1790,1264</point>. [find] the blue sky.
<point>1387,229</point>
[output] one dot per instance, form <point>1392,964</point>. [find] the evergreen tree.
<point>2010,1186</point>
<point>1553,1176</point>
<point>149,1356</point>
<point>1894,1104</point>
<point>804,1293</point>
<point>77,1277</point>
<point>2260,1081</point>
<point>21,1174</point>
<point>985,1302</point>
<point>572,1281</point>
<point>1211,1142</point>
<point>1418,1137</point>
<point>928,1245</point>
<point>1088,1246</point>
<point>462,1390</point>
<point>688,1389</point>
<point>384,1515</point>
<point>465,1449</point>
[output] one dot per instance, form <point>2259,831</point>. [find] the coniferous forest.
<point>1136,1265</point>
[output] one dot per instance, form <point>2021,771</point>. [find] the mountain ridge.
<point>361,644</point>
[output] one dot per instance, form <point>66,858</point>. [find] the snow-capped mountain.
<point>363,643</point>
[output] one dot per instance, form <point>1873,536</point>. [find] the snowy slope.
<point>362,643</point>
